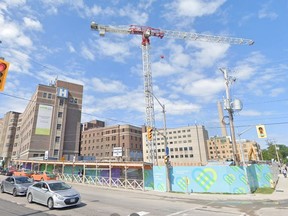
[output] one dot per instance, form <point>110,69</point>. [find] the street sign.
<point>46,155</point>
<point>117,151</point>
<point>167,151</point>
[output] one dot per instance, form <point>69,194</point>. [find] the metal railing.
<point>134,184</point>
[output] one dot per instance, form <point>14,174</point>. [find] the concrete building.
<point>1,132</point>
<point>118,142</point>
<point>8,135</point>
<point>50,124</point>
<point>220,148</point>
<point>187,146</point>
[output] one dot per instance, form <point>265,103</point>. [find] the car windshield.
<point>23,180</point>
<point>59,186</point>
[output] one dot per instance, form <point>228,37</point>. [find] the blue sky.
<point>46,39</point>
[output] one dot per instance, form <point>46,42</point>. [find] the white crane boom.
<point>140,30</point>
<point>146,32</point>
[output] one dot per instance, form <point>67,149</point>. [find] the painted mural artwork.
<point>204,179</point>
<point>213,179</point>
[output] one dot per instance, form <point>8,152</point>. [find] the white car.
<point>16,185</point>
<point>54,194</point>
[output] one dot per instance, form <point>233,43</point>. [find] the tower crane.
<point>146,32</point>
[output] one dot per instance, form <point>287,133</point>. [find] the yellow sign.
<point>261,131</point>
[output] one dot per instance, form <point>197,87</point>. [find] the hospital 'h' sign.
<point>62,92</point>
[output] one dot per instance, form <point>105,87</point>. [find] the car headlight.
<point>59,197</point>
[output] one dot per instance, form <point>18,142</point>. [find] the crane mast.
<point>146,32</point>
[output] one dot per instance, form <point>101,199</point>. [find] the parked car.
<point>23,172</point>
<point>6,172</point>
<point>43,176</point>
<point>16,185</point>
<point>54,194</point>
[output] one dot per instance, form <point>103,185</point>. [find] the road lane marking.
<point>180,212</point>
<point>141,213</point>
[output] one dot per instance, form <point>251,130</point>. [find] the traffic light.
<point>166,159</point>
<point>149,133</point>
<point>261,131</point>
<point>4,66</point>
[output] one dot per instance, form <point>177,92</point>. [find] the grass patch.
<point>264,191</point>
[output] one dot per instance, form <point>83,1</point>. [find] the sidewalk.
<point>280,193</point>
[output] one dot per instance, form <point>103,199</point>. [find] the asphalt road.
<point>118,202</point>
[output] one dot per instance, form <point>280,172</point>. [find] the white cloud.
<point>197,8</point>
<point>116,50</point>
<point>106,86</point>
<point>72,49</point>
<point>86,53</point>
<point>205,88</point>
<point>11,34</point>
<point>276,91</point>
<point>137,16</point>
<point>266,12</point>
<point>15,3</point>
<point>32,24</point>
<point>162,68</point>
<point>208,53</point>
<point>250,113</point>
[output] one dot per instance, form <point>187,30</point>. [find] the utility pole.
<point>228,106</point>
<point>277,155</point>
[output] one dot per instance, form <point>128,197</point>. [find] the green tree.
<point>270,152</point>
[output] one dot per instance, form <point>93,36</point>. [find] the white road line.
<point>180,212</point>
<point>141,213</point>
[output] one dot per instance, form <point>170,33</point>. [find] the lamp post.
<point>165,144</point>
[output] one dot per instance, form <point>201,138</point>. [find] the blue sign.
<point>62,92</point>
<point>167,150</point>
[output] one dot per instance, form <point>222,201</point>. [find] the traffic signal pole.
<point>166,157</point>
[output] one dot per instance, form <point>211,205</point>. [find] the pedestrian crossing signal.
<point>261,131</point>
<point>4,66</point>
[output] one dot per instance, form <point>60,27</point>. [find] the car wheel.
<point>50,203</point>
<point>30,198</point>
<point>2,189</point>
<point>14,192</point>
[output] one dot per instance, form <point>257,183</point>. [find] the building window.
<point>60,114</point>
<point>49,95</point>
<point>61,102</point>
<point>44,94</point>
<point>56,151</point>
<point>58,126</point>
<point>57,139</point>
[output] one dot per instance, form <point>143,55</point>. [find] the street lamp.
<point>165,144</point>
